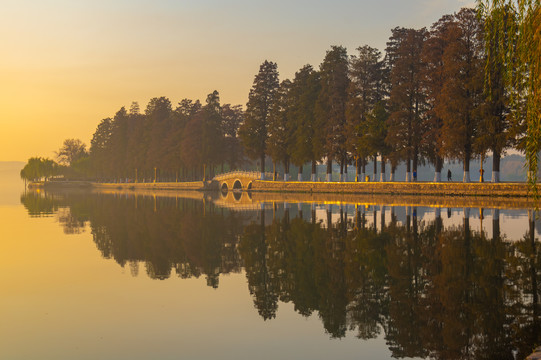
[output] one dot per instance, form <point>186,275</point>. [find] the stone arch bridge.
<point>237,180</point>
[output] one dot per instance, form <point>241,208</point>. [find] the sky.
<point>67,64</point>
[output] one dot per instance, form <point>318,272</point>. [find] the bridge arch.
<point>237,185</point>
<point>249,187</point>
<point>224,188</point>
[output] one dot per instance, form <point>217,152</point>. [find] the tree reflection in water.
<point>433,291</point>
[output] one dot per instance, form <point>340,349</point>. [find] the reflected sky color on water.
<point>118,276</point>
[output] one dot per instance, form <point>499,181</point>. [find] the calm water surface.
<point>120,276</point>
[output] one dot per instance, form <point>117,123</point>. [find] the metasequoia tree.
<point>432,79</point>
<point>99,148</point>
<point>232,118</point>
<point>202,137</point>
<point>183,114</point>
<point>254,130</point>
<point>307,138</point>
<point>331,106</point>
<point>374,134</point>
<point>367,88</point>
<point>158,114</point>
<point>212,136</point>
<point>280,128</point>
<point>462,91</point>
<point>407,98</point>
<point>118,143</point>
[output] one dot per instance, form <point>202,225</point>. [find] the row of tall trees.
<point>435,95</point>
<point>184,143</point>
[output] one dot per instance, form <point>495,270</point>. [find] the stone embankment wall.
<point>195,185</point>
<point>412,188</point>
<point>60,185</point>
<point>499,202</point>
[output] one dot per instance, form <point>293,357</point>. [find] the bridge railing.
<point>245,174</point>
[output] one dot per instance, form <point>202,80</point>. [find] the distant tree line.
<point>452,92</point>
<point>185,143</point>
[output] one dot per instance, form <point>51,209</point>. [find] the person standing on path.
<point>449,175</point>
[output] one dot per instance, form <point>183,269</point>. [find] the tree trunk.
<point>329,169</point>
<point>438,166</point>
<point>375,167</point>
<point>286,170</point>
<point>466,177</point>
<point>408,169</point>
<point>496,157</point>
<point>382,176</point>
<point>363,169</point>
<point>415,161</point>
<point>299,177</point>
<point>341,170</point>
<point>314,171</point>
<point>358,167</point>
<point>346,170</point>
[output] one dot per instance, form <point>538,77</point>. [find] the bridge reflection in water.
<point>436,278</point>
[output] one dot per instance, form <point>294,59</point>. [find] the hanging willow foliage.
<point>513,39</point>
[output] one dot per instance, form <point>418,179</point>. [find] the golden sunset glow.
<point>66,65</point>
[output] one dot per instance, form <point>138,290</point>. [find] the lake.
<point>119,275</point>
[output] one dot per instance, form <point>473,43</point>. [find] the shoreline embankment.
<point>432,189</point>
<point>503,196</point>
<point>502,189</point>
